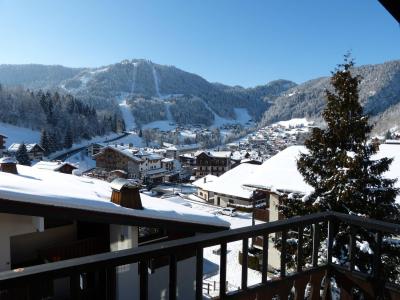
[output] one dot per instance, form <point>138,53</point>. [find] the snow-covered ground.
<point>17,134</point>
<point>84,143</point>
<point>296,122</point>
<point>163,125</point>
<point>82,161</point>
<point>127,115</point>
<point>132,138</point>
<point>242,117</point>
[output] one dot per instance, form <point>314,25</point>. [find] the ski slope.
<point>127,115</point>
<point>17,134</point>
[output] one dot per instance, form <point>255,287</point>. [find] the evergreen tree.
<point>388,135</point>
<point>53,142</point>
<point>344,176</point>
<point>68,140</point>
<point>22,155</point>
<point>44,142</point>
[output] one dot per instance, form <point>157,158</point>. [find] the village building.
<point>56,166</point>
<point>279,177</point>
<point>212,162</point>
<point>168,164</point>
<point>174,151</point>
<point>2,143</point>
<point>228,190</point>
<point>94,148</point>
<point>138,164</point>
<point>203,191</point>
<point>48,216</point>
<point>35,151</point>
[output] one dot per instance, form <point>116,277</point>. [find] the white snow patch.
<point>296,122</point>
<point>33,185</point>
<point>17,134</point>
<point>163,125</point>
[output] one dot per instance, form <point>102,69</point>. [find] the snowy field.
<point>294,123</point>
<point>17,134</point>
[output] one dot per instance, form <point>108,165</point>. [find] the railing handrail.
<point>367,223</point>
<point>134,255</point>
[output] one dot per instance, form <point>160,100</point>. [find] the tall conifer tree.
<point>344,174</point>
<point>22,155</point>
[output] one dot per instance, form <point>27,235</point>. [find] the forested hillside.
<point>379,93</point>
<point>61,116</point>
<point>160,92</point>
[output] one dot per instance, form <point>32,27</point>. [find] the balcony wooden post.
<point>199,274</point>
<point>352,242</point>
<point>172,276</point>
<point>144,293</point>
<point>377,265</point>
<point>74,286</point>
<point>283,254</point>
<point>222,271</point>
<point>245,252</point>
<point>316,231</point>
<point>265,258</point>
<point>330,241</point>
<point>300,249</point>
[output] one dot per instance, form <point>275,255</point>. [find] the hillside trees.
<point>22,155</point>
<point>55,114</point>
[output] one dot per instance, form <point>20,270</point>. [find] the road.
<point>71,152</point>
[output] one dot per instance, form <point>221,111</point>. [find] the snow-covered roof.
<point>230,183</point>
<point>391,151</point>
<point>205,181</point>
<point>32,185</point>
<point>167,160</point>
<point>14,147</point>
<point>128,152</point>
<point>183,147</point>
<point>219,154</point>
<point>51,165</point>
<point>392,142</point>
<point>8,160</point>
<point>280,173</point>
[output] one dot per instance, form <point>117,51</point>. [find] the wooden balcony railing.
<point>311,278</point>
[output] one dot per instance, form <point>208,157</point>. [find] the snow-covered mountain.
<point>155,92</point>
<point>186,97</point>
<point>379,94</point>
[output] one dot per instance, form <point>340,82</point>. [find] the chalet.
<point>174,151</point>
<point>35,151</point>
<point>94,148</point>
<point>202,187</point>
<point>117,158</point>
<point>138,164</point>
<point>278,177</point>
<point>56,166</point>
<point>227,190</point>
<point>212,162</point>
<point>168,164</point>
<point>2,143</point>
<point>48,217</point>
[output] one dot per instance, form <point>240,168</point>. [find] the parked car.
<point>228,211</point>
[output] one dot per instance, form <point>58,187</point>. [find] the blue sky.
<point>244,42</point>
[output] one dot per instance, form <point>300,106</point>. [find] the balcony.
<point>306,279</point>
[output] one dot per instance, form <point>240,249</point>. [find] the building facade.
<point>214,163</point>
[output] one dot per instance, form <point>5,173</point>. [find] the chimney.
<point>205,179</point>
<point>8,165</point>
<point>126,193</point>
